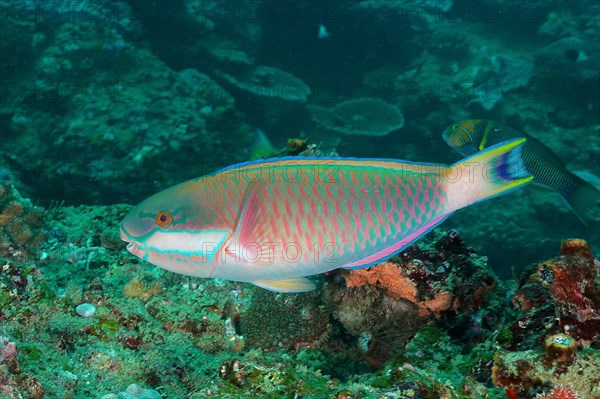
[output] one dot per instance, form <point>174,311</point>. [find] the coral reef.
<point>557,328</point>
<point>21,225</point>
<point>572,282</point>
<point>99,119</point>
<point>363,333</point>
<point>394,280</point>
<point>271,82</point>
<point>137,288</point>
<point>559,392</point>
<point>363,116</point>
<point>526,372</point>
<point>134,391</point>
<point>565,288</point>
<point>290,321</point>
<point>508,74</point>
<point>386,305</point>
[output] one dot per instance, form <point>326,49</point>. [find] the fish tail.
<point>494,171</point>
<point>582,197</point>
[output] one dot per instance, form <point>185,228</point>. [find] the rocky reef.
<point>555,340</point>
<point>82,318</point>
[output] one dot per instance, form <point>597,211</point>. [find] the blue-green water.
<point>103,103</point>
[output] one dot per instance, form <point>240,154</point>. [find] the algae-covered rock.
<point>90,124</point>
<point>293,321</point>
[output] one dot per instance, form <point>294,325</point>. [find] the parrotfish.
<point>273,222</point>
<point>469,136</point>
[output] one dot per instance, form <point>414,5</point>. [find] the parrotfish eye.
<point>163,219</point>
<point>455,127</point>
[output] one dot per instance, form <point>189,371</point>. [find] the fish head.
<point>463,136</point>
<point>173,230</point>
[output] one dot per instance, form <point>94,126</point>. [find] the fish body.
<point>470,136</point>
<point>273,222</point>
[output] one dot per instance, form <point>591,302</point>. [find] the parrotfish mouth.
<point>134,248</point>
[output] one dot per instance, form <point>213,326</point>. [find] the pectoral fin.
<point>299,284</point>
<point>249,229</point>
<point>249,221</point>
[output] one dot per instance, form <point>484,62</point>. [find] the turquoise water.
<point>103,104</point>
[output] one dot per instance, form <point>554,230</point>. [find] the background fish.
<point>470,136</point>
<point>275,221</point>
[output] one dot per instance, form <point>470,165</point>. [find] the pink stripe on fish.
<point>279,178</point>
<point>355,237</point>
<point>380,220</point>
<point>366,178</point>
<point>397,191</point>
<point>388,229</point>
<point>275,206</point>
<point>313,206</point>
<point>343,180</point>
<point>386,192</point>
<point>409,186</point>
<point>286,227</point>
<point>338,209</point>
<point>230,196</point>
<point>378,181</point>
<point>332,238</point>
<point>369,218</point>
<point>350,206</point>
<point>311,226</point>
<point>326,211</point>
<point>347,224</point>
<point>411,212</point>
<point>308,242</point>
<point>373,205</point>
<point>358,222</point>
<point>328,192</point>
<point>302,191</point>
<point>344,238</point>
<point>354,197</point>
<point>273,224</point>
<point>305,177</point>
<point>377,193</point>
<point>336,226</point>
<point>315,191</point>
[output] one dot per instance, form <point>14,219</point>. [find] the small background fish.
<point>470,136</point>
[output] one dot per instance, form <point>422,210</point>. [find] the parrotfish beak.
<point>134,248</point>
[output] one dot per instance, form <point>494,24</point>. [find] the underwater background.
<point>104,103</point>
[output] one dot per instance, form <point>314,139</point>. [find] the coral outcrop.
<point>554,341</point>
